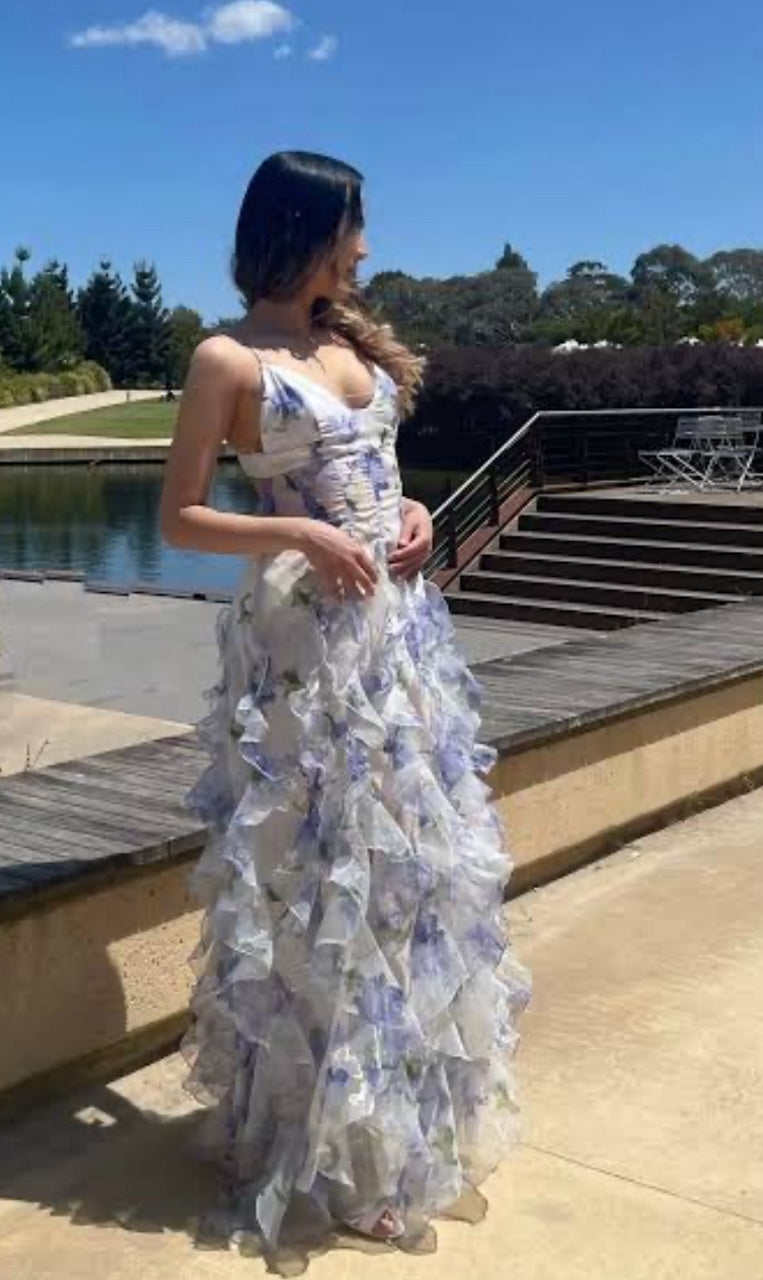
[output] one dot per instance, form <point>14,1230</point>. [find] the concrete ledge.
<point>217,595</point>
<point>96,974</point>
<point>575,798</point>
<point>95,980</point>
<point>79,451</point>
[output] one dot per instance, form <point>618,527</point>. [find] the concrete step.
<point>580,591</point>
<point>605,527</point>
<point>652,551</point>
<point>702,511</point>
<point>519,562</point>
<point>555,613</point>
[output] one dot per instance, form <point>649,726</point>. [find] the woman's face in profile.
<point>340,267</point>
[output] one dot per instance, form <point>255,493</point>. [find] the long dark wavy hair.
<point>296,207</point>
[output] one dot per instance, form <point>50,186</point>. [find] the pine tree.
<point>106,313</point>
<point>151,328</point>
<point>56,338</point>
<point>186,330</point>
<point>15,345</point>
<point>510,260</point>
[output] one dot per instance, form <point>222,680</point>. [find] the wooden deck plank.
<point>42,833</point>
<point>590,675</point>
<point>125,805</point>
<point>50,819</point>
<point>156,792</point>
<point>109,808</point>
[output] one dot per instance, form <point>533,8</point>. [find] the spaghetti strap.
<point>260,361</point>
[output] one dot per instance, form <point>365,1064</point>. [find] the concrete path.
<point>26,415</point>
<point>36,732</point>
<point>641,1086</point>
<point>94,444</point>
<point>83,672</point>
<point>153,655</point>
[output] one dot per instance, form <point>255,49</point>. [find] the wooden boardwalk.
<point>533,697</point>
<point>124,808</point>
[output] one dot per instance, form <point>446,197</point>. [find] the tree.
<point>729,329</point>
<point>671,270</point>
<point>583,305</point>
<point>106,314</point>
<point>492,307</point>
<point>56,337</point>
<point>414,307</point>
<point>510,260</point>
<point>658,319</point>
<point>737,274</point>
<point>15,346</point>
<point>186,330</point>
<point>150,328</point>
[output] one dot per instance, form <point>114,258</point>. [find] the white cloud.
<point>248,20</point>
<point>171,35</point>
<point>232,23</point>
<point>325,49</point>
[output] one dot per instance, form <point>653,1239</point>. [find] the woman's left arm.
<point>415,541</point>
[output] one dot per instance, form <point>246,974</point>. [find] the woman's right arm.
<point>218,374</point>
<point>216,378</point>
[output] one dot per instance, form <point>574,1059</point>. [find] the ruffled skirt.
<point>356,999</point>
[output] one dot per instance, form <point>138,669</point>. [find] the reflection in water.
<point>103,521</point>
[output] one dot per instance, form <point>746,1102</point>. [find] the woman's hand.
<point>415,541</point>
<point>343,565</point>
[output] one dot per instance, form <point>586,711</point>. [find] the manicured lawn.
<point>140,421</point>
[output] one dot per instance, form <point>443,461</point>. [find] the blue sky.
<point>574,130</point>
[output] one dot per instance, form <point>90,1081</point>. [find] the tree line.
<point>46,325</point>
<point>669,294</point>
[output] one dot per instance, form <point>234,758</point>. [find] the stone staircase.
<point>610,560</point>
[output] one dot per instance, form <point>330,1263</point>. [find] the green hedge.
<point>33,388</point>
<point>473,398</point>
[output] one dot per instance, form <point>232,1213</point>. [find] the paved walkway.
<point>640,1081</point>
<point>26,415</point>
<point>116,670</point>
<point>93,444</point>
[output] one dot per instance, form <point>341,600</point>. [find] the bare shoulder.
<point>223,360</point>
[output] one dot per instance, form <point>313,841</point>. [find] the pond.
<point>103,522</point>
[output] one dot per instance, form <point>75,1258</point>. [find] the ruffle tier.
<point>356,1000</point>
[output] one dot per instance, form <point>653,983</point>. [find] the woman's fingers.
<point>367,562</point>
<point>414,552</point>
<point>352,578</point>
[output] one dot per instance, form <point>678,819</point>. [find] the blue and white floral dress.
<point>356,997</point>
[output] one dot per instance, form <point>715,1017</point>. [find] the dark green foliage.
<point>186,330</point>
<point>149,330</point>
<point>474,397</point>
<point>106,313</point>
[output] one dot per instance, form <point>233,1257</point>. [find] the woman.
<point>356,999</point>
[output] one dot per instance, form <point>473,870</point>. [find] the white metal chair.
<point>682,464</point>
<point>708,451</point>
<point>730,450</point>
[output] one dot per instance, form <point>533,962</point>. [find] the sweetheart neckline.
<point>332,395</point>
<point>279,369</point>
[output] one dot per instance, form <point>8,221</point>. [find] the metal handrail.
<point>450,532</point>
<point>471,481</point>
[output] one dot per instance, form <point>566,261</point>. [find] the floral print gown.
<point>356,997</point>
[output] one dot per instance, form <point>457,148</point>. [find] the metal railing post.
<point>452,535</point>
<point>492,482</point>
